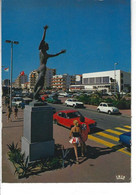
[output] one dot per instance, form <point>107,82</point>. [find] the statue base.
<point>37,139</point>
<point>38,150</point>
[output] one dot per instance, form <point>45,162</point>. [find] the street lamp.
<point>115,76</point>
<point>11,67</point>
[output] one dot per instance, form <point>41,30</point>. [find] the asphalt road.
<point>103,120</point>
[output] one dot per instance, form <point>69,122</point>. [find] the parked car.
<point>63,94</point>
<point>107,108</point>
<point>125,139</point>
<point>74,103</point>
<point>17,101</point>
<point>44,97</point>
<point>53,101</point>
<point>66,118</point>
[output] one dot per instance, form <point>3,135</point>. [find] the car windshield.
<point>72,100</point>
<point>110,105</point>
<point>73,114</point>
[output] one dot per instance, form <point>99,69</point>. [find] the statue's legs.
<point>38,86</point>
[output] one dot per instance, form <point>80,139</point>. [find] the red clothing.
<point>84,132</point>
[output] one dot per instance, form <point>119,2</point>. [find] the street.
<point>108,129</point>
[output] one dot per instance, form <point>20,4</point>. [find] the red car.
<point>66,118</point>
<point>44,97</point>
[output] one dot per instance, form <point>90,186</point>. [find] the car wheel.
<point>109,112</point>
<point>98,110</point>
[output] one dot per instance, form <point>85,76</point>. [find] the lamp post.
<point>11,68</point>
<point>115,76</point>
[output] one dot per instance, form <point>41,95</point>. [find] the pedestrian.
<point>6,101</point>
<point>9,111</point>
<point>84,136</point>
<point>75,137</point>
<point>22,105</point>
<point>15,111</point>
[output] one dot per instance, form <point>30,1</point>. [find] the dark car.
<point>53,101</point>
<point>125,139</point>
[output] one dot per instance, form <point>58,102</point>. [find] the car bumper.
<point>80,105</point>
<point>115,111</point>
<point>93,125</point>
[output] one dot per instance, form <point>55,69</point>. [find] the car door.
<point>62,118</point>
<point>101,107</point>
<point>105,108</point>
<point>69,102</point>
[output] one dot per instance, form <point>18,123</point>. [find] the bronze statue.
<point>43,47</point>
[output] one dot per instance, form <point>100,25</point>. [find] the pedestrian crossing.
<point>110,138</point>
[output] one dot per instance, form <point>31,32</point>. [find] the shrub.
<point>95,101</point>
<point>83,98</point>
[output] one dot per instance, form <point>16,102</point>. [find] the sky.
<point>95,34</point>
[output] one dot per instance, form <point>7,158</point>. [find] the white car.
<point>17,101</point>
<point>107,107</point>
<point>74,103</point>
<point>63,94</point>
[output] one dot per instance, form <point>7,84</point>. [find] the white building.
<point>109,81</point>
<point>78,79</point>
<point>33,76</point>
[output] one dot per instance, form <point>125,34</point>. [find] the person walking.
<point>9,111</point>
<point>15,111</point>
<point>74,136</point>
<point>84,136</point>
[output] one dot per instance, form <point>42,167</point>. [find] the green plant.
<point>64,155</point>
<point>95,100</point>
<point>13,148</point>
<point>83,98</point>
<point>15,153</point>
<point>16,157</point>
<point>43,164</point>
<point>54,163</point>
<point>25,167</point>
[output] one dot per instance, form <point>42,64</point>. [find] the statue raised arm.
<point>43,47</point>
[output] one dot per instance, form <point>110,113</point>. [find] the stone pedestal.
<point>37,140</point>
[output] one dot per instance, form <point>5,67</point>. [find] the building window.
<point>105,79</point>
<point>121,81</point>
<point>85,80</point>
<point>98,80</point>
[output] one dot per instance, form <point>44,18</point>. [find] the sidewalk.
<point>90,168</point>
